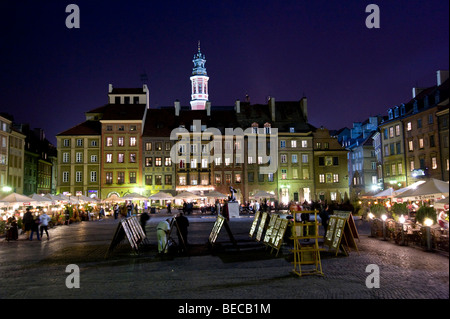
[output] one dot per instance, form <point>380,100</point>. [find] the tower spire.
<point>199,82</point>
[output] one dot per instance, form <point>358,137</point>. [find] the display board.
<point>270,227</point>
<point>277,239</point>
<point>254,224</point>
<point>262,226</point>
<point>219,223</point>
<point>339,235</point>
<point>216,229</point>
<point>351,222</point>
<point>131,229</point>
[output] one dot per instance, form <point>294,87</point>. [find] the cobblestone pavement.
<point>37,269</point>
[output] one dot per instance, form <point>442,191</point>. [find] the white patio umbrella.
<point>134,196</point>
<point>186,195</point>
<point>441,204</point>
<point>161,196</point>
<point>387,193</point>
<point>113,199</point>
<point>18,199</point>
<point>70,199</point>
<point>41,200</point>
<point>263,194</point>
<point>216,194</point>
<point>431,189</point>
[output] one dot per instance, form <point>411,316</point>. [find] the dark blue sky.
<point>50,75</point>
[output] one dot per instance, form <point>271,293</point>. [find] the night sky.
<point>50,75</point>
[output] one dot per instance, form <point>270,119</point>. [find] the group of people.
<point>32,224</point>
<point>163,231</point>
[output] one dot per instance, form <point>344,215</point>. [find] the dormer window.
<point>415,107</point>
<point>402,110</point>
<point>396,111</point>
<point>267,128</point>
<point>390,114</point>
<point>255,128</point>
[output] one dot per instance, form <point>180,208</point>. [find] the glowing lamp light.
<point>371,216</point>
<point>401,219</point>
<point>428,222</point>
<point>384,217</point>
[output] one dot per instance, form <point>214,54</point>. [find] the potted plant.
<point>425,212</point>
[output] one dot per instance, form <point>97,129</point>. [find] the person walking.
<point>28,222</point>
<point>44,219</point>
<point>35,228</point>
<point>162,230</point>
<point>116,211</point>
<point>325,216</point>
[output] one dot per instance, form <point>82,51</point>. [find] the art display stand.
<point>306,245</point>
<point>131,229</point>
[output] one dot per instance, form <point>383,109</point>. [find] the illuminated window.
<point>434,163</point>
<point>408,126</point>
<point>321,178</point>
<point>132,141</point>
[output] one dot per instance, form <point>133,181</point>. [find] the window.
<point>432,144</point>
<point>218,178</point>
<point>158,161</point>
<point>182,180</point>
<point>421,143</point>
<point>158,146</point>
<point>294,158</point>
<point>329,177</point>
<point>282,144</point>
<point>391,131</point>
<point>66,142</point>
<point>120,141</point>
<point>168,146</point>
<point>227,161</point>
<point>79,142</point>
<point>397,130</point>
<point>305,158</point>
<point>148,161</point>
<point>283,174</point>
<point>430,119</point>
<point>121,127</point>
<point>283,158</point>
<point>408,126</point>
<point>133,127</point>
<point>399,148</point>
<point>109,127</point>
<point>393,169</point>
<point>237,178</point>
<point>79,157</point>
<point>182,164</point>
<point>193,163</point>
<point>321,178</point>
<point>318,145</point>
<point>93,176</point>
<point>65,157</point>
<point>148,146</point>
<point>411,165</point>
<point>434,163</point>
<point>168,179</point>
<point>328,160</point>
<point>251,177</point>
<point>167,161</point>
<point>410,146</point>
<point>93,158</point>
<point>78,176</point>
<point>228,178</point>
<point>400,169</point>
<point>132,141</point>
<point>109,141</point>
<point>148,180</point>
<point>204,163</point>
<point>419,123</point>
<point>120,177</point>
<point>293,143</point>
<point>321,161</point>
<point>304,143</point>
<point>109,178</point>
<point>270,177</point>
<point>250,160</point>
<point>120,158</point>
<point>336,178</point>
<point>65,177</point>
<point>295,173</point>
<point>132,157</point>
<point>132,177</point>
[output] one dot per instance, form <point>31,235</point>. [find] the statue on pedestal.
<point>232,197</point>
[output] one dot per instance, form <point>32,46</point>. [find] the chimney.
<point>147,98</point>
<point>442,76</point>
<point>237,106</point>
<point>110,88</point>
<point>208,108</point>
<point>177,108</point>
<point>304,108</point>
<point>272,108</point>
<point>416,91</point>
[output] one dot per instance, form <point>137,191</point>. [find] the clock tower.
<point>199,82</point>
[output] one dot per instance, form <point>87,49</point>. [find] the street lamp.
<point>384,217</point>
<point>428,222</point>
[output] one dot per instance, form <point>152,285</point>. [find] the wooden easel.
<point>172,223</point>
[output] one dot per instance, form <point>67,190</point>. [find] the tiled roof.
<point>85,128</point>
